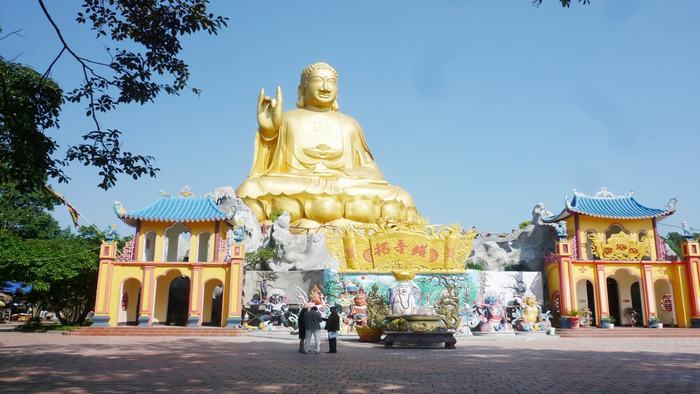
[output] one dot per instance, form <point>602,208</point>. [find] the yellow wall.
<point>119,275</point>
<point>583,273</point>
<point>552,279</point>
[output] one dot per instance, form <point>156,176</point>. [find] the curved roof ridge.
<point>607,205</point>
<point>177,209</point>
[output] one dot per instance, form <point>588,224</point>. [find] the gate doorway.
<point>613,300</point>
<point>178,301</point>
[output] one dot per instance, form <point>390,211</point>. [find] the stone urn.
<point>369,334</point>
<point>420,323</point>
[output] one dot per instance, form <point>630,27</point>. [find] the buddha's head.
<point>318,87</point>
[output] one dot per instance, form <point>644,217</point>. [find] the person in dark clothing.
<point>302,328</point>
<point>312,321</point>
<point>333,326</point>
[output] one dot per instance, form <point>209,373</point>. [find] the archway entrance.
<point>613,299</point>
<point>586,298</point>
<point>129,302</point>
<point>636,296</point>
<point>178,301</point>
<point>591,300</point>
<point>213,303</point>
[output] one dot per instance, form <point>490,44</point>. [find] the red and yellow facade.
<point>179,262</point>
<point>616,264</point>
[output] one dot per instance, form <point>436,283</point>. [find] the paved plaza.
<point>57,363</point>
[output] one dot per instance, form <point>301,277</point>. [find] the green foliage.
<point>142,40</point>
<point>674,240</point>
<point>513,267</point>
<point>524,224</point>
<point>25,214</point>
<point>29,104</point>
<point>60,265</point>
<point>399,324</point>
<point>259,260</point>
<point>274,215</point>
<point>474,266</point>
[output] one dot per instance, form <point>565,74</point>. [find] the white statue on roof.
<point>604,193</point>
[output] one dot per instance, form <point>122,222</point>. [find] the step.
<point>158,331</point>
<point>629,332</point>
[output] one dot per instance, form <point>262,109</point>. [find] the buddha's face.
<point>321,89</point>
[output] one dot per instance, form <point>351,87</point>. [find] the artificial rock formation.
<point>298,251</point>
<point>526,247</point>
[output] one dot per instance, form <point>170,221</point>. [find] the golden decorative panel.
<point>620,246</point>
<point>417,248</point>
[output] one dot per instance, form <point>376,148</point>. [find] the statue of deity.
<point>404,298</point>
<point>314,162</point>
<point>530,317</point>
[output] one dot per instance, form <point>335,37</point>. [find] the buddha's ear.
<point>335,106</point>
<point>300,96</point>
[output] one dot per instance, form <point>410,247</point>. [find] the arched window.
<point>615,229</point>
<point>177,243</point>
<point>203,247</point>
<point>589,244</point>
<point>642,234</point>
<point>149,246</point>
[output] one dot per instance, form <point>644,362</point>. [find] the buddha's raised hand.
<point>270,110</point>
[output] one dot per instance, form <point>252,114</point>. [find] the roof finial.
<point>604,193</point>
<point>672,204</point>
<point>186,192</point>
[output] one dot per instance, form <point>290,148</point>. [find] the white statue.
<point>404,298</point>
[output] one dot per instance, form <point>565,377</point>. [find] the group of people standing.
<point>310,327</point>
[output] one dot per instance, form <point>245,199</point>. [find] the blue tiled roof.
<point>611,207</point>
<point>174,209</point>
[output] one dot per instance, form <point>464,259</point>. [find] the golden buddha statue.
<point>314,163</point>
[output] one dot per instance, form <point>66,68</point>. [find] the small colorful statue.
<point>276,308</point>
<point>586,318</point>
<point>491,316</point>
<point>357,316</point>
<point>110,232</point>
<point>529,316</point>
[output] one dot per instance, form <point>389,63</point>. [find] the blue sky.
<point>480,109</point>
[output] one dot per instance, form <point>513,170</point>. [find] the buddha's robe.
<point>317,153</point>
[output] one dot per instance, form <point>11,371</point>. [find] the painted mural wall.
<point>294,286</point>
<point>266,291</point>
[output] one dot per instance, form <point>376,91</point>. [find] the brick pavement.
<point>52,362</point>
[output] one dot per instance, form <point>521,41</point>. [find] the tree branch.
<point>16,57</point>
<point>48,70</point>
<point>60,35</point>
<point>16,33</point>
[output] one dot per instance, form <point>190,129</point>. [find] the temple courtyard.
<point>53,362</point>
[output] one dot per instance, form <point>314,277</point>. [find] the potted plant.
<point>655,323</point>
<point>571,320</point>
<point>607,322</point>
